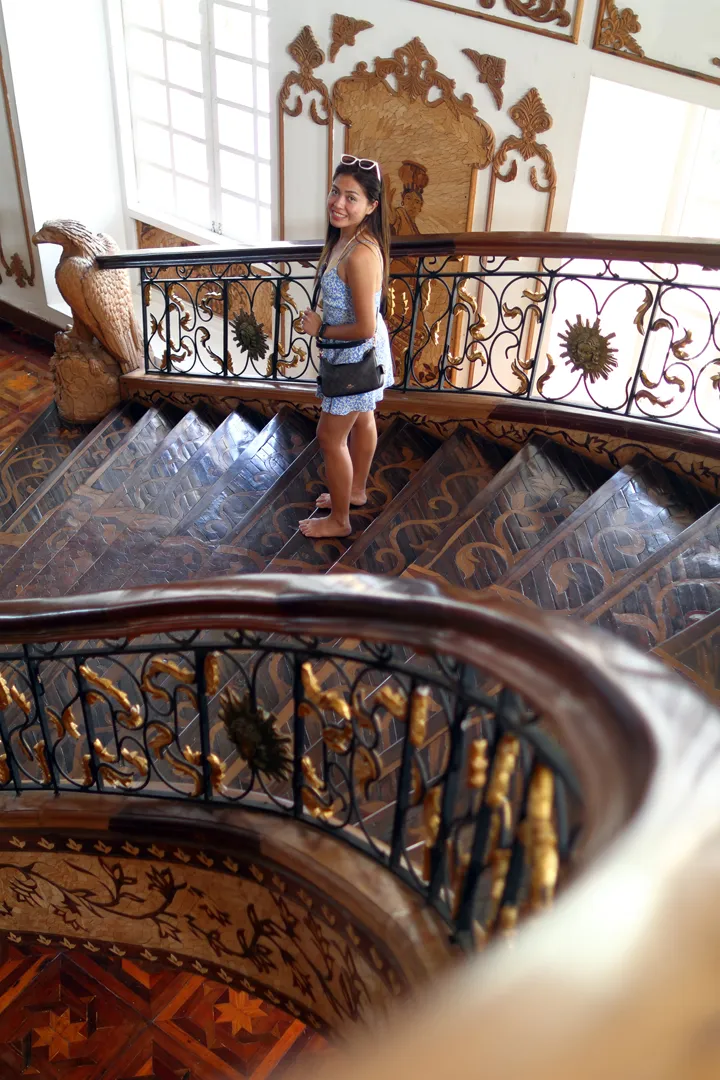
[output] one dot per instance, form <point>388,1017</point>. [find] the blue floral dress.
<point>338,309</point>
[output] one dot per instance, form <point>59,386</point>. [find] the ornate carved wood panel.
<point>558,19</point>
<point>678,37</point>
<point>14,266</point>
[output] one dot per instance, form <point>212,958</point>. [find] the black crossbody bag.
<point>353,377</point>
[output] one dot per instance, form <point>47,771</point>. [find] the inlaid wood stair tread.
<point>136,450</point>
<point>695,653</point>
<point>60,485</point>
<point>634,514</point>
<point>34,457</point>
<point>139,519</point>
<point>678,585</point>
<point>461,467</point>
<point>235,495</point>
<point>518,509</point>
<point>403,452</point>
<point>85,544</point>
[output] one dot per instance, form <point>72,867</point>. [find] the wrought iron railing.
<point>619,325</point>
<point>407,742</point>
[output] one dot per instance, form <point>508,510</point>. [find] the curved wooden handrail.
<point>565,245</point>
<point>591,687</point>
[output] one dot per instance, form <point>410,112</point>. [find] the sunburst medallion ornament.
<point>250,336</point>
<point>588,350</point>
<point>252,729</point>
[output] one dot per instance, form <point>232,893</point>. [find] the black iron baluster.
<point>37,692</point>
<point>417,295</point>
<point>10,755</point>
<point>452,777</point>
<point>402,798</point>
<point>146,342</point>
<point>450,320</point>
<point>276,335</point>
<point>199,655</point>
<point>641,359</point>
<point>550,285</point>
<point>298,735</point>
<point>226,319</point>
<point>464,919</point>
<point>168,335</point>
<point>89,726</point>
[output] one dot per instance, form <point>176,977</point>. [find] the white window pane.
<point>152,143</point>
<point>237,173</point>
<point>264,182</point>
<point>262,51</point>
<point>184,65</point>
<point>235,128</point>
<point>188,113</point>
<point>149,99</point>
<point>145,53</point>
<point>263,89</point>
<point>239,218</point>
<point>265,230</point>
<point>155,186</point>
<point>233,30</point>
<point>263,131</point>
<point>190,157</point>
<point>234,80</point>
<point>182,19</point>
<point>143,13</point>
<point>261,5</point>
<point>193,201</point>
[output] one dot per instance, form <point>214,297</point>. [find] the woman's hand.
<point>311,322</point>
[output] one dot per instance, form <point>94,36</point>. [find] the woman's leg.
<point>362,445</point>
<point>332,434</point>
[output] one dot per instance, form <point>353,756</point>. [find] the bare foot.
<point>357,498</point>
<point>325,526</point>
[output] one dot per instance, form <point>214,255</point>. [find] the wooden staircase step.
<point>34,457</point>
<point>665,595</point>
<point>139,520</point>
<point>632,516</point>
<point>461,467</point>
<point>519,508</point>
<point>136,449</point>
<point>76,469</point>
<point>695,653</point>
<point>402,453</point>
<point>64,567</point>
<point>235,495</point>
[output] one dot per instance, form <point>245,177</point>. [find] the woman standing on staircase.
<point>354,269</point>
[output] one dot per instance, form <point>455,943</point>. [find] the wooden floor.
<point>25,382</point>
<point>70,1015</point>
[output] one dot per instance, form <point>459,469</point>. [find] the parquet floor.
<point>26,386</point>
<point>73,1016</point>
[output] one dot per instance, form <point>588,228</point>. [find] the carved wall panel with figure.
<point>680,37</point>
<point>445,170</point>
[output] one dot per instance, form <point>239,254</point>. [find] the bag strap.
<point>318,285</point>
<point>326,343</point>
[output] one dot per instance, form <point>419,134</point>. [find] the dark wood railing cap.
<point>555,245</point>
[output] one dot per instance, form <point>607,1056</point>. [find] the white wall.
<point>59,71</point>
<point>560,71</point>
<point>57,60</point>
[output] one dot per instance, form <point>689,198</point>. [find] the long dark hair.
<point>376,225</point>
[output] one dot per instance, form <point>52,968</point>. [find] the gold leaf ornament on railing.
<point>331,700</point>
<point>541,838</point>
<point>131,715</point>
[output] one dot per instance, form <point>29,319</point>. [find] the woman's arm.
<point>361,269</point>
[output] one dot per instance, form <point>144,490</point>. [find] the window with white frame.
<point>199,106</point>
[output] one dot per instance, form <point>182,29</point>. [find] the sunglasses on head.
<point>363,163</point>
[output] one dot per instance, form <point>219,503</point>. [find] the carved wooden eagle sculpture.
<point>100,300</point>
